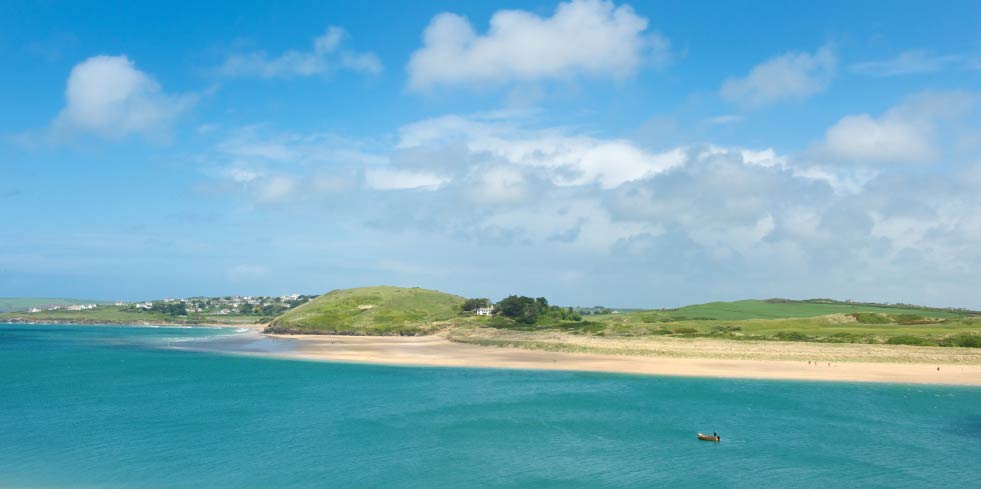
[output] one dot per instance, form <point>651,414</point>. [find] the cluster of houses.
<point>72,307</point>
<point>209,305</point>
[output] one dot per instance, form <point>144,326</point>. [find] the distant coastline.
<point>97,322</point>
<point>699,357</point>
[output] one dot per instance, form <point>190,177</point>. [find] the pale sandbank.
<point>439,351</point>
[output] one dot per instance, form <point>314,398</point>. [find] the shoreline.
<point>681,359</point>
<point>78,322</point>
<point>437,351</point>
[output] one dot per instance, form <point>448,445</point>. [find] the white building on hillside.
<point>485,311</point>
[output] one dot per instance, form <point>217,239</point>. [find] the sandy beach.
<point>439,351</point>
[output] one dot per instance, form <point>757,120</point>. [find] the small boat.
<point>714,438</point>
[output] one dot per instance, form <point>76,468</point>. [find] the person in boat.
<point>716,435</point>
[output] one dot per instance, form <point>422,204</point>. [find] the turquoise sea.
<point>128,407</point>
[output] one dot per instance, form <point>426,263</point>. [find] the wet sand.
<point>439,351</point>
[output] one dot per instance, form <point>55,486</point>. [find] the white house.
<point>485,311</point>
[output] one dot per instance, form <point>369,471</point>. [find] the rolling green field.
<point>16,304</point>
<point>120,315</point>
<point>817,320</point>
<point>371,311</point>
<point>414,311</point>
<point>780,308</point>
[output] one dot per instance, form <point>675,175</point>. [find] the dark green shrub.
<point>909,340</point>
<point>792,336</point>
<point>871,318</point>
<point>726,329</point>
<point>966,340</point>
<point>685,331</point>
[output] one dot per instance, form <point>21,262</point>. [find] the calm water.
<point>115,407</point>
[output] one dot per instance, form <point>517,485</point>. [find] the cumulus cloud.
<point>324,57</point>
<point>582,37</point>
<point>108,96</point>
<point>790,76</point>
<point>903,134</point>
<point>563,158</point>
<point>501,188</point>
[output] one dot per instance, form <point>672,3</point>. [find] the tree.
<point>170,308</point>
<point>520,308</point>
<point>471,305</point>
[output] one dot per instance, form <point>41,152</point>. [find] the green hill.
<point>371,311</point>
<point>784,308</point>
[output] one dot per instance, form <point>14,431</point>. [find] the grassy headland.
<point>380,310</point>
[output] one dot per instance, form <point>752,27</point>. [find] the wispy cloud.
<point>915,62</point>
<point>790,76</point>
<point>324,56</point>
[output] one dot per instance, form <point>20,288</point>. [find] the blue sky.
<point>629,154</point>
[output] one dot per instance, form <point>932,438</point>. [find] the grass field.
<point>119,315</point>
<point>371,311</point>
<point>780,308</point>
<point>816,320</point>
<point>17,304</point>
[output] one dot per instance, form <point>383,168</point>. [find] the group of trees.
<point>525,310</point>
<point>170,308</point>
<point>264,309</point>
<point>471,305</point>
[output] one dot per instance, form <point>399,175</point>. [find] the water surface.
<point>120,407</point>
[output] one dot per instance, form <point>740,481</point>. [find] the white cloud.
<point>395,179</point>
<point>904,134</point>
<point>789,76</point>
<point>275,189</point>
<point>321,59</point>
<point>724,119</point>
<point>883,140</point>
<point>564,159</point>
<point>241,175</point>
<point>589,37</point>
<point>108,96</point>
<point>494,188</point>
<point>498,185</point>
<point>913,62</point>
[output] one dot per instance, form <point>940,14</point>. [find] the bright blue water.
<point>115,407</point>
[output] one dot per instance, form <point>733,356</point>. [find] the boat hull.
<point>708,438</point>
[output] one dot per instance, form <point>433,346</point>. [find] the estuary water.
<point>137,407</point>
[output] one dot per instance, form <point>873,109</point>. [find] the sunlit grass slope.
<point>781,308</point>
<point>371,311</point>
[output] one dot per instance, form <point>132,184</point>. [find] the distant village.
<point>227,305</point>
